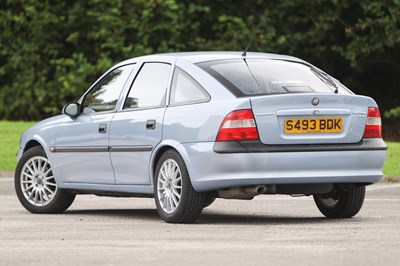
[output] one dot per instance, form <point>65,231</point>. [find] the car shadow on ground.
<point>149,214</point>
<point>254,219</point>
<point>213,217</point>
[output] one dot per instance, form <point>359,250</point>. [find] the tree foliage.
<point>51,52</point>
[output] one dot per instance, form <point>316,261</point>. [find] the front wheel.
<point>176,200</point>
<point>36,187</point>
<point>341,203</point>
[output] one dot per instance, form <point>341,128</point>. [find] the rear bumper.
<point>212,167</point>
<point>257,146</point>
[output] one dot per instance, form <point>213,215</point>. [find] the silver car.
<point>187,128</point>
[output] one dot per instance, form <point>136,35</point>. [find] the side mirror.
<point>71,109</point>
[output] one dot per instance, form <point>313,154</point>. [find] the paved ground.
<point>270,230</point>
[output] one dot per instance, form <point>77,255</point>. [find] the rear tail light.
<point>238,125</point>
<point>373,127</point>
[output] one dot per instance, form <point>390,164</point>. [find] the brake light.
<point>373,127</point>
<point>238,125</point>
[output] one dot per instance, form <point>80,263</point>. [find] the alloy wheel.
<point>37,181</point>
<point>169,186</point>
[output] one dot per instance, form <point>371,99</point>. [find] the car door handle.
<point>151,124</point>
<point>102,128</point>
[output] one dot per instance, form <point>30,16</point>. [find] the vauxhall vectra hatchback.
<point>187,128</point>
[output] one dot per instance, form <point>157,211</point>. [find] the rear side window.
<point>150,86</point>
<point>186,90</point>
<point>248,77</point>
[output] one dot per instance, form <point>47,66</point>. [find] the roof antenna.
<point>247,48</point>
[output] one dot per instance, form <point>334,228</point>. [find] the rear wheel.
<point>341,203</point>
<point>36,187</point>
<point>176,200</point>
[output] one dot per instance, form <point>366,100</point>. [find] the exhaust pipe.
<point>255,190</point>
<point>242,192</point>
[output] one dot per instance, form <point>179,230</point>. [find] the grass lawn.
<point>11,131</point>
<point>9,140</point>
<point>392,164</point>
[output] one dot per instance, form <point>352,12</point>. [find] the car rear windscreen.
<point>249,77</point>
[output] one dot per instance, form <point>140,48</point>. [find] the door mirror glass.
<point>71,109</point>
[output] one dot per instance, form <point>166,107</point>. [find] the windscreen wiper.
<point>325,78</point>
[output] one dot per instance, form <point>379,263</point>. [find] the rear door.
<point>137,128</point>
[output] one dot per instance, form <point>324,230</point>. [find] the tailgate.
<point>310,118</point>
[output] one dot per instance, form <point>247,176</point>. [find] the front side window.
<point>150,86</point>
<point>248,77</point>
<point>104,95</point>
<point>186,90</point>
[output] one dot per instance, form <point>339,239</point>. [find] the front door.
<point>82,147</point>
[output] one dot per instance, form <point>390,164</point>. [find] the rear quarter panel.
<point>200,122</point>
<point>197,123</point>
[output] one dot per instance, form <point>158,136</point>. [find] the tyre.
<point>176,200</point>
<point>36,187</point>
<point>341,203</point>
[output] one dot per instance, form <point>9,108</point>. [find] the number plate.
<point>313,125</point>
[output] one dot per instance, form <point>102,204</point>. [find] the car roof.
<point>198,57</point>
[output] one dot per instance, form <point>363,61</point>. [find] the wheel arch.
<point>37,141</point>
<point>157,157</point>
<point>42,195</point>
<point>161,149</point>
<point>30,144</point>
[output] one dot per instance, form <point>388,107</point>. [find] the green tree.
<point>51,52</point>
